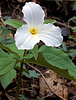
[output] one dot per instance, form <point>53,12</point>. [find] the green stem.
<point>19,80</point>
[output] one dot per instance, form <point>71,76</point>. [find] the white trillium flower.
<point>35,30</point>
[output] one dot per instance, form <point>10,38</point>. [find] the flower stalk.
<point>19,80</point>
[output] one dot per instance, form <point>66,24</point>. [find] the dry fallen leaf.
<point>56,85</point>
<point>72,87</point>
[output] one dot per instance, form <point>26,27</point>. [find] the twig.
<point>45,80</point>
<point>9,97</point>
<point>22,89</point>
<point>1,3</point>
<point>62,24</point>
<point>45,10</point>
<point>1,17</point>
<point>14,89</point>
<point>48,95</point>
<point>72,58</point>
<point>15,10</point>
<point>24,53</point>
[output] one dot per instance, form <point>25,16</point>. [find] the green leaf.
<point>18,68</point>
<point>72,53</point>
<point>14,49</point>
<point>42,62</point>
<point>34,74</point>
<point>72,18</point>
<point>6,18</point>
<point>5,31</point>
<point>58,58</point>
<point>31,74</point>
<point>14,56</point>
<point>64,47</point>
<point>7,48</point>
<point>1,39</point>
<point>74,5</point>
<point>40,99</point>
<point>7,78</point>
<point>22,97</point>
<point>57,2</point>
<point>49,21</point>
<point>55,60</point>
<point>28,55</point>
<point>74,29</point>
<point>7,63</point>
<point>15,23</point>
<point>26,74</point>
<point>35,51</point>
<point>70,37</point>
<point>10,40</point>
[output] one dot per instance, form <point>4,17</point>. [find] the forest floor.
<point>35,88</point>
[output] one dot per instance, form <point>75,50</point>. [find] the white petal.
<point>24,39</point>
<point>30,42</point>
<point>51,35</point>
<point>33,14</point>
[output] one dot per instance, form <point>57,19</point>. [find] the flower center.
<point>33,31</point>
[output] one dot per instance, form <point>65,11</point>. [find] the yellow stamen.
<point>33,31</point>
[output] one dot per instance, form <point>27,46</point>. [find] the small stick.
<point>45,80</point>
<point>48,96</point>
<point>62,24</point>
<point>15,10</point>
<point>1,17</point>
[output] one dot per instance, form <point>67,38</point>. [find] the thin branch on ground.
<point>1,17</point>
<point>62,24</point>
<point>15,10</point>
<point>45,81</point>
<point>48,96</point>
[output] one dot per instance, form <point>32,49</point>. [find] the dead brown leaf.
<point>56,85</point>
